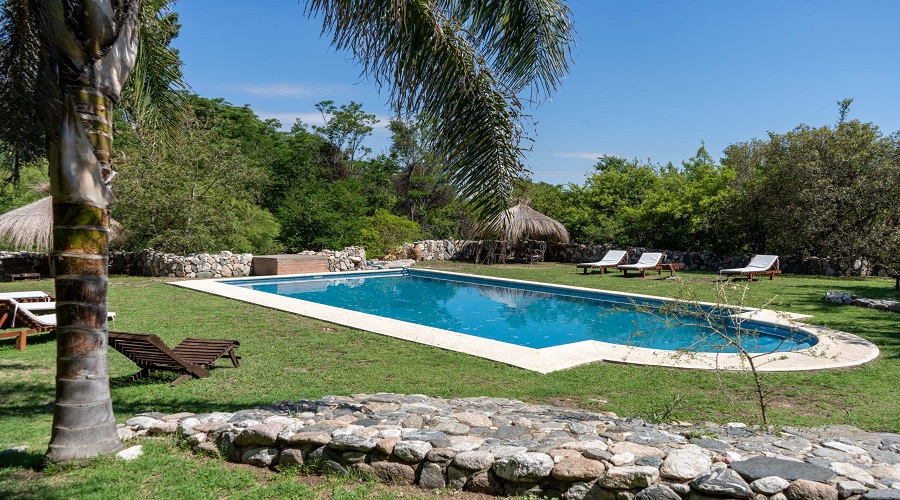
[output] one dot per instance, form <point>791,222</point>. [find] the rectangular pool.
<point>538,326</point>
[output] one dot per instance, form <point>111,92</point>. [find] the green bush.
<point>383,232</point>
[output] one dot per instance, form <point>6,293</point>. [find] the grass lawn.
<point>287,357</point>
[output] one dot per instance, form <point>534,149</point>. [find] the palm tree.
<point>466,64</point>
<point>62,66</point>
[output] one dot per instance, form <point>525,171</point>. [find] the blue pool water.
<point>531,315</point>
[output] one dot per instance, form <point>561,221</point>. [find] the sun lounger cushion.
<point>612,258</point>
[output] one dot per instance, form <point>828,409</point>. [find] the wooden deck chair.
<point>30,317</point>
<point>612,259</point>
<point>759,264</point>
<point>648,260</point>
<point>192,357</point>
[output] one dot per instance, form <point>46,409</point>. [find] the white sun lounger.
<point>759,264</point>
<point>26,296</point>
<point>648,260</point>
<point>612,259</point>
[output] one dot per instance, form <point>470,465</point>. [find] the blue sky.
<point>650,79</point>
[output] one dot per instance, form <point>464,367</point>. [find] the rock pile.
<point>506,447</point>
<point>845,298</point>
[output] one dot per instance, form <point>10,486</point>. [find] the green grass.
<point>287,357</point>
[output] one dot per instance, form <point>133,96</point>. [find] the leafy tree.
<point>422,184</point>
<point>63,65</point>
<point>199,196</point>
<point>32,177</point>
<point>345,129</point>
<point>828,191</point>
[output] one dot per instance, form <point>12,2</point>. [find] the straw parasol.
<point>523,222</point>
<point>512,297</point>
<point>30,227</point>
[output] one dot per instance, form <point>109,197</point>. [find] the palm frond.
<point>153,97</point>
<point>432,67</point>
<point>29,95</point>
<point>528,42</point>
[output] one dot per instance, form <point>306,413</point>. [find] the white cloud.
<point>586,155</point>
<point>296,90</point>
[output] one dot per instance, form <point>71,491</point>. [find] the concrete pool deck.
<point>835,349</point>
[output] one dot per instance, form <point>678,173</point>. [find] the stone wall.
<point>694,261</point>
<point>507,447</point>
<point>40,262</point>
<point>153,263</point>
<point>221,265</point>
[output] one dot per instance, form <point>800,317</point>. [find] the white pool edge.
<point>834,350</point>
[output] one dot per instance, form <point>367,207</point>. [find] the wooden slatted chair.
<point>192,357</point>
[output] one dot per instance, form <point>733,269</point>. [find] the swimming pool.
<point>532,315</point>
<point>543,327</point>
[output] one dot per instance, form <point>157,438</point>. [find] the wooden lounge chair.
<point>759,264</point>
<point>31,317</point>
<point>192,357</point>
<point>612,259</point>
<point>16,268</point>
<point>648,260</point>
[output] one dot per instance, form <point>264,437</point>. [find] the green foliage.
<point>345,129</point>
<point>827,192</point>
<point>424,192</point>
<point>199,196</point>
<point>384,232</point>
<point>33,177</point>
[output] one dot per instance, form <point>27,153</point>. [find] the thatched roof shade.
<point>523,222</point>
<point>30,227</point>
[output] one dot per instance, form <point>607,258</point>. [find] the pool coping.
<point>834,350</point>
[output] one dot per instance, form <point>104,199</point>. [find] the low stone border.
<point>507,447</point>
<point>845,298</point>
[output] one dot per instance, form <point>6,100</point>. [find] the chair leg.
<point>180,379</point>
<point>21,340</point>
<point>141,374</point>
<point>234,358</point>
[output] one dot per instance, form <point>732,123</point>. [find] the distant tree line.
<point>832,191</point>
<point>240,183</point>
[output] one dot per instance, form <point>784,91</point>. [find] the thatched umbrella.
<point>30,227</point>
<point>513,225</point>
<point>523,222</point>
<point>512,297</point>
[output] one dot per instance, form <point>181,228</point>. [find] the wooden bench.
<point>16,268</point>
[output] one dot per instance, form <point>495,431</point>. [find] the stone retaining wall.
<point>221,265</point>
<point>153,263</point>
<point>40,262</point>
<point>507,447</point>
<point>694,261</point>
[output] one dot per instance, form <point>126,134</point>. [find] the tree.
<point>826,192</point>
<point>62,66</point>
<point>64,62</point>
<point>421,184</point>
<point>344,130</point>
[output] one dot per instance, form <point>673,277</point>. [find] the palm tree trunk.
<point>83,420</point>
